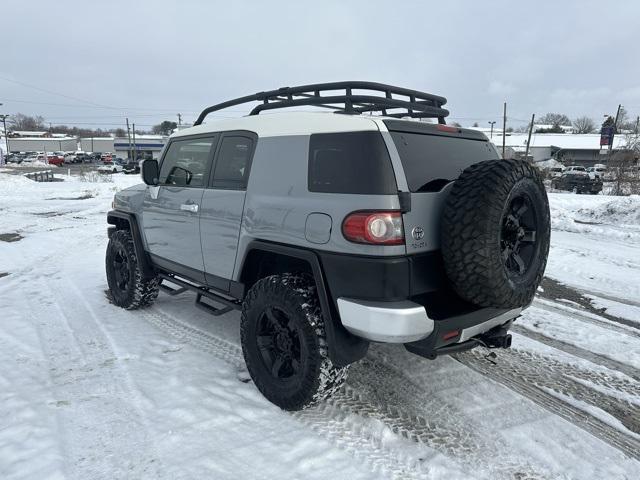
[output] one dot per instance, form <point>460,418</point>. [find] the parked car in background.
<point>57,160</point>
<point>106,157</point>
<point>596,171</point>
<point>31,159</point>
<point>113,167</point>
<point>577,169</point>
<point>555,171</point>
<point>578,182</point>
<point>131,166</point>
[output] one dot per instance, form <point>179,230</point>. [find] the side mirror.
<point>150,172</point>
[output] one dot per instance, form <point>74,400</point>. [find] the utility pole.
<point>492,128</point>
<point>526,152</point>
<point>6,139</point>
<point>179,119</point>
<point>615,130</point>
<point>637,124</point>
<point>504,129</point>
<point>129,137</point>
<point>135,150</point>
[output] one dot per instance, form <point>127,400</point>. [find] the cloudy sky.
<point>93,63</point>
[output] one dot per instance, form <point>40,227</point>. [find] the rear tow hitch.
<point>495,338</point>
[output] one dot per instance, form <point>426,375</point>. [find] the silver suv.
<point>331,230</point>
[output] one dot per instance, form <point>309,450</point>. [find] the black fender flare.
<point>119,218</point>
<point>344,348</point>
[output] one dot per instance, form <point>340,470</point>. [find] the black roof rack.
<point>414,104</point>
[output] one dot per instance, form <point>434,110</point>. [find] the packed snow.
<point>91,391</point>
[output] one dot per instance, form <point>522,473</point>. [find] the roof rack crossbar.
<point>418,105</point>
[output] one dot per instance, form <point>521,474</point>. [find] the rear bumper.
<point>408,322</point>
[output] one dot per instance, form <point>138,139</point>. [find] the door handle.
<point>189,207</point>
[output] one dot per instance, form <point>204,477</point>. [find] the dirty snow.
<point>90,391</point>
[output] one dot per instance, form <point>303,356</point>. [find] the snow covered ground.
<point>90,391</point>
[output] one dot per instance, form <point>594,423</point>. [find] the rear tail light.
<point>378,228</point>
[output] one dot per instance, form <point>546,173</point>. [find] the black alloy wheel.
<point>121,270</point>
<point>279,343</point>
<point>518,235</point>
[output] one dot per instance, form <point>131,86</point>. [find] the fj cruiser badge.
<point>417,233</point>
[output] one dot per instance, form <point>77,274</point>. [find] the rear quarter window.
<point>350,162</point>
<point>426,158</point>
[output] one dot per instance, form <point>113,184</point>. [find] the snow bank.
<point>619,211</point>
<point>550,163</point>
<point>602,215</point>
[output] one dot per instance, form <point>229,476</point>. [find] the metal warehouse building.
<point>42,144</point>
<point>146,146</point>
<point>571,149</point>
<point>97,144</point>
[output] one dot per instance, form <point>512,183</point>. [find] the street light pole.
<point>492,128</point>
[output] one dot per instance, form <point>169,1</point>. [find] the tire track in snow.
<point>332,420</point>
<point>534,376</point>
<point>329,423</point>
<point>98,396</point>
<point>578,351</point>
<point>587,317</point>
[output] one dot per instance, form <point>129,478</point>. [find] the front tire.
<point>127,287</point>
<point>284,344</point>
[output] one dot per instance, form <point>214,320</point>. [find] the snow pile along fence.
<point>43,176</point>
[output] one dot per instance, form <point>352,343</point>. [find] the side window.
<point>186,162</point>
<point>350,162</point>
<point>233,162</point>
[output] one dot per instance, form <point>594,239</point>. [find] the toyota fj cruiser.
<point>333,230</point>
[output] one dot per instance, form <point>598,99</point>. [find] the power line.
<point>56,93</point>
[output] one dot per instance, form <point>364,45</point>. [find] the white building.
<point>147,146</point>
<point>97,144</point>
<point>580,149</point>
<point>42,144</point>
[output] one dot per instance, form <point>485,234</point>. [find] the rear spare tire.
<point>495,233</point>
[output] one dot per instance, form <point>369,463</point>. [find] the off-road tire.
<point>139,292</point>
<point>471,233</point>
<point>295,296</point>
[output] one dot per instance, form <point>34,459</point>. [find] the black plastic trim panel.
<point>116,217</point>
<point>344,348</point>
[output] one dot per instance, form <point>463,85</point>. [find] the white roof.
<point>27,133</point>
<point>41,139</point>
<point>586,141</point>
<point>288,123</point>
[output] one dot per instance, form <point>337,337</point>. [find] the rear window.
<point>429,158</point>
<point>351,162</point>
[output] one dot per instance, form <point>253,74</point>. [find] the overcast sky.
<point>152,59</point>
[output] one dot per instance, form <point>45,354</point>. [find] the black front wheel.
<point>127,286</point>
<point>284,344</point>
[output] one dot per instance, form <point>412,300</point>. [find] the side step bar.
<point>229,304</point>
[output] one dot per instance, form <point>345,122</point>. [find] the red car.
<point>57,160</point>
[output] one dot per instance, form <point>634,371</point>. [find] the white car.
<point>111,168</point>
<point>576,169</point>
<point>596,171</point>
<point>555,172</point>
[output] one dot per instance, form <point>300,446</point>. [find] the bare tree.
<point>584,125</point>
<point>20,121</point>
<point>623,167</point>
<point>555,119</point>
